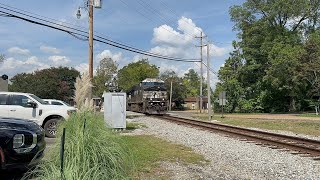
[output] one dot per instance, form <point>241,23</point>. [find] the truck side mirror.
<point>31,104</point>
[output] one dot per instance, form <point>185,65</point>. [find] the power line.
<point>63,22</point>
<point>155,11</point>
<point>150,19</point>
<point>110,42</point>
<point>168,8</point>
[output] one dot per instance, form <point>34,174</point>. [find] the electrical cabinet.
<point>115,109</point>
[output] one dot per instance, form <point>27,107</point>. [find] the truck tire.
<point>51,127</point>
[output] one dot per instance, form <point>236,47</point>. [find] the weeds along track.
<point>296,145</point>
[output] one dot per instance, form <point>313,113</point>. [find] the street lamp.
<point>78,13</point>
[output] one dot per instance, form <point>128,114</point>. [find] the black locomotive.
<point>148,97</point>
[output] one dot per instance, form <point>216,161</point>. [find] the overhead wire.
<point>147,6</point>
<point>115,44</point>
<point>64,22</point>
<point>150,19</point>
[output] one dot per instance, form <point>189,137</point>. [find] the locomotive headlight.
<point>18,141</point>
<point>162,99</point>
<point>151,103</point>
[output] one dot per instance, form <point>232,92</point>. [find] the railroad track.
<point>302,146</point>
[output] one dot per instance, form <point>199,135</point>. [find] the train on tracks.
<point>148,97</point>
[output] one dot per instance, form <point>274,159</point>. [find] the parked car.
<point>56,102</point>
<point>22,143</point>
<point>29,106</point>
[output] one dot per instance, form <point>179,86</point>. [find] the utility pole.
<point>208,81</point>
<point>201,69</point>
<point>90,45</point>
<point>170,95</point>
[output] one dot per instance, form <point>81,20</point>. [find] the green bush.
<point>91,153</point>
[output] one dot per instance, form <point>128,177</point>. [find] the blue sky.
<point>161,26</point>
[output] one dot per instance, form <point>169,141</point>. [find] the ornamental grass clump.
<point>92,151</point>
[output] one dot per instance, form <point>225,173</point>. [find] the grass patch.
<point>134,125</point>
<point>310,115</point>
<point>309,127</point>
<point>91,153</point>
<point>148,151</point>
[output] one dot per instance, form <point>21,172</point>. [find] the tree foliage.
<point>135,72</point>
<point>274,65</point>
<point>107,67</point>
<point>191,80</point>
<point>178,88</point>
<point>53,83</point>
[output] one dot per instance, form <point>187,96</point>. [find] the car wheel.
<point>51,127</point>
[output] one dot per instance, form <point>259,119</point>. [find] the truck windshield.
<point>38,99</point>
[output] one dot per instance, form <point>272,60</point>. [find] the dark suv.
<point>22,143</point>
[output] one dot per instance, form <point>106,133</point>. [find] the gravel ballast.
<point>229,158</point>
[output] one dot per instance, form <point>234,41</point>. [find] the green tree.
<point>178,88</point>
<point>229,76</point>
<point>191,81</point>
<point>135,72</point>
<point>107,67</point>
<point>53,83</point>
<point>269,51</point>
<point>309,69</point>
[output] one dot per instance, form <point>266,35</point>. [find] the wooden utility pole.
<point>90,45</point>
<point>208,81</point>
<point>201,69</point>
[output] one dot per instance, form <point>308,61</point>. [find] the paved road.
<point>17,174</point>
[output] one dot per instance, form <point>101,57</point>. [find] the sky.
<point>164,27</point>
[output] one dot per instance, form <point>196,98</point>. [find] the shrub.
<point>91,153</point>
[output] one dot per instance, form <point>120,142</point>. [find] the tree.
<point>178,88</point>
<point>269,55</point>
<point>52,83</point>
<point>135,72</point>
<point>107,67</point>
<point>191,81</point>
<point>309,69</point>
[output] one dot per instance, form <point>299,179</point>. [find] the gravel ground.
<point>229,158</point>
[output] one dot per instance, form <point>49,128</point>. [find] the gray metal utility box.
<point>115,109</point>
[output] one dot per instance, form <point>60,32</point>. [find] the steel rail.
<point>304,146</point>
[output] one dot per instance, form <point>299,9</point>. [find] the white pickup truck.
<point>29,106</point>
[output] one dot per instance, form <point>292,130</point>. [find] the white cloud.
<point>166,67</point>
<point>83,67</point>
<point>48,49</point>
<point>33,60</point>
<point>17,50</point>
<point>59,60</point>
<point>181,42</point>
<point>12,66</point>
<point>107,53</point>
